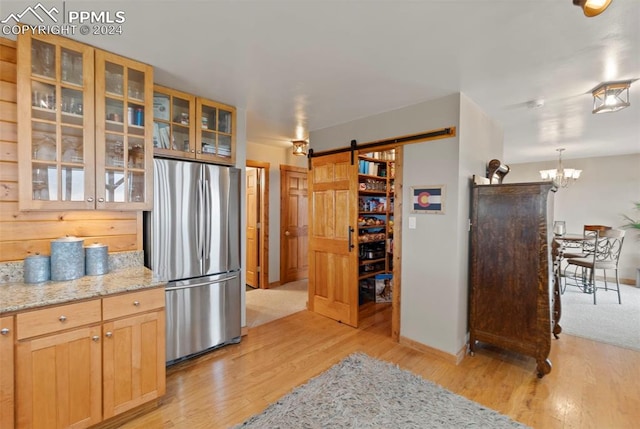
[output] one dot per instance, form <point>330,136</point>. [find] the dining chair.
<point>605,256</point>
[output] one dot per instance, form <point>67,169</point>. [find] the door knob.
<point>287,233</point>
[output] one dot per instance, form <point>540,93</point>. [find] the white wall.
<point>435,254</point>
<point>607,188</point>
<point>275,156</point>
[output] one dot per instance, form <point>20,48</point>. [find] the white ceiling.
<point>313,64</point>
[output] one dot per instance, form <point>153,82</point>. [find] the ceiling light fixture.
<point>561,176</point>
<point>300,147</point>
<point>611,96</point>
<point>592,7</point>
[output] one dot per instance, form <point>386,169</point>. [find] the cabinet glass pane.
<point>208,142</point>
<point>135,118</point>
<point>72,145</point>
<point>181,111</point>
<point>208,118</point>
<point>224,146</point>
<point>135,153</point>
<point>72,184</point>
<point>45,182</point>
<point>160,106</point>
<point>71,67</point>
<point>43,59</point>
<point>114,78</point>
<point>161,135</point>
<point>114,110</point>
<point>136,187</point>
<point>224,122</point>
<point>114,151</point>
<point>115,186</point>
<point>43,146</point>
<point>43,101</point>
<point>181,138</point>
<point>72,106</point>
<point>136,85</point>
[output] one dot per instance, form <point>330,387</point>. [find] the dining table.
<point>560,243</point>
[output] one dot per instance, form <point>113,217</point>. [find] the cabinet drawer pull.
<point>95,338</point>
<point>109,334</point>
<point>62,319</point>
<point>5,331</point>
<point>136,303</point>
<point>90,199</point>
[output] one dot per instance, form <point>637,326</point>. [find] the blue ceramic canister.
<point>96,257</point>
<point>67,258</point>
<point>37,268</point>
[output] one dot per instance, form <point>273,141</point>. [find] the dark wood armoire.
<point>512,293</point>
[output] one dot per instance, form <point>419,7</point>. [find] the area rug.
<point>265,305</point>
<point>363,392</point>
<point>607,321</point>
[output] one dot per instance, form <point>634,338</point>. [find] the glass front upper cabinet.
<point>174,115</point>
<point>56,151</point>
<point>215,138</point>
<point>124,152</point>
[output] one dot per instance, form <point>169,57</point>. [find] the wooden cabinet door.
<point>56,126</point>
<point>124,133</point>
<point>134,361</point>
<point>58,380</point>
<point>6,374</point>
<point>333,255</point>
<point>215,132</point>
<point>174,123</point>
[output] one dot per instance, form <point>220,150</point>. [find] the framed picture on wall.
<point>428,199</point>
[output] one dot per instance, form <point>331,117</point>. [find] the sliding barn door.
<point>333,258</point>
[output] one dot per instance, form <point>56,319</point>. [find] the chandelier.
<point>561,176</point>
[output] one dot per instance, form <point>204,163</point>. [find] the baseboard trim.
<point>448,357</point>
<point>274,284</point>
<point>244,331</point>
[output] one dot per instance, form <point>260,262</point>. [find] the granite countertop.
<point>23,296</point>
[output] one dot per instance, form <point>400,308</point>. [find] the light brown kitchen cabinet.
<point>133,350</point>
<point>190,127</point>
<point>124,147</point>
<point>58,372</point>
<point>6,372</point>
<point>79,364</point>
<point>174,115</point>
<point>85,127</point>
<point>215,135</point>
<point>56,127</point>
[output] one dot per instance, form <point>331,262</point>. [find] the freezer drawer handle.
<point>201,284</point>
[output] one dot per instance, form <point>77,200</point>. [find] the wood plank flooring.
<point>591,385</point>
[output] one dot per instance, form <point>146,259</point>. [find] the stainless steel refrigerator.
<point>192,240</point>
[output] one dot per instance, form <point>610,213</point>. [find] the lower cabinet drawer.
<point>49,320</point>
<point>132,303</point>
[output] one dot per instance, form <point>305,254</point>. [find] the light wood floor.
<point>591,385</point>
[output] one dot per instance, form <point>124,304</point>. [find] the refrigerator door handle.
<point>200,220</point>
<point>226,279</point>
<point>207,216</point>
